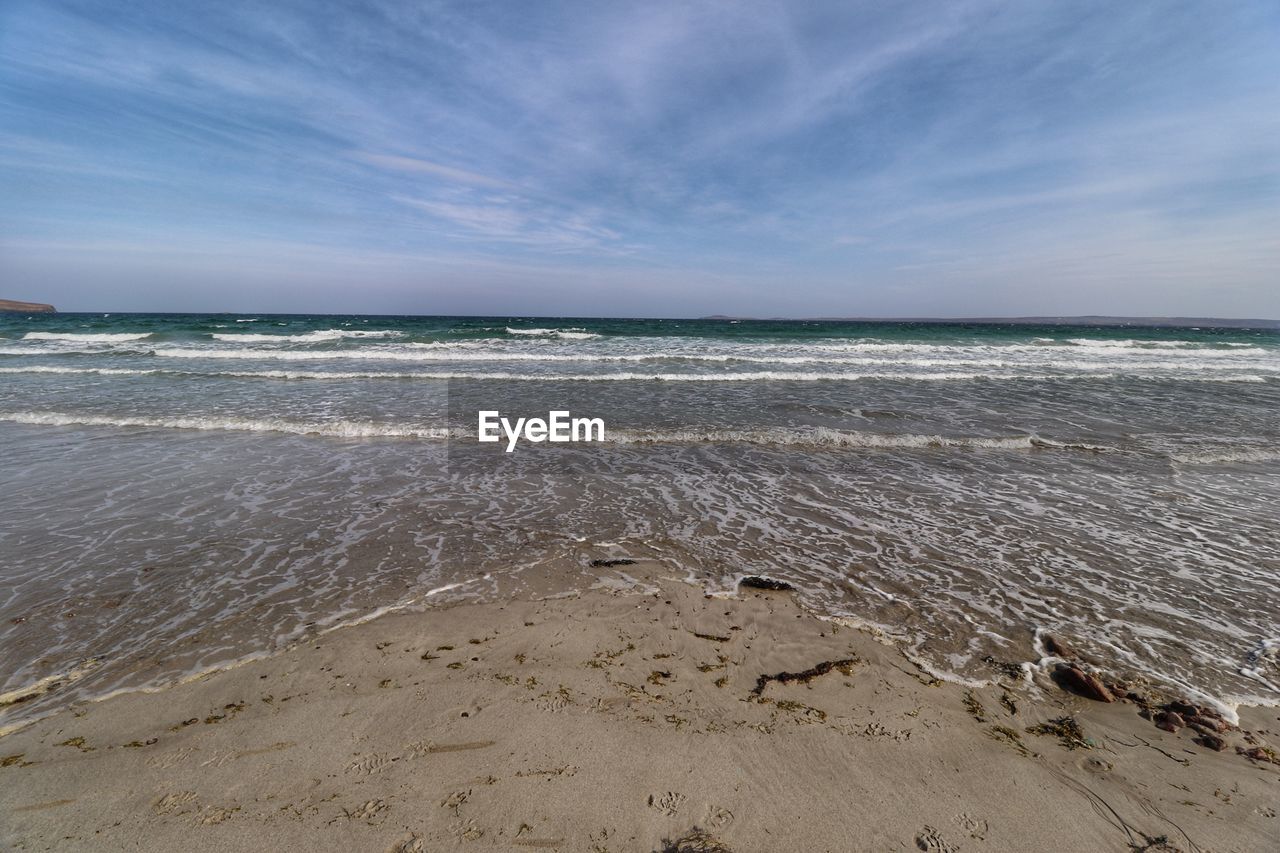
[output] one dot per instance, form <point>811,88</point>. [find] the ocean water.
<point>182,491</point>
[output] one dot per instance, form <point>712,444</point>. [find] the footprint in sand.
<point>166,760</point>
<point>214,815</point>
<point>555,702</point>
<point>408,843</point>
<point>455,800</point>
<point>717,817</point>
<point>931,841</point>
<point>179,803</point>
<point>976,828</point>
<point>371,812</point>
<point>367,765</point>
<point>668,802</point>
<point>1095,765</point>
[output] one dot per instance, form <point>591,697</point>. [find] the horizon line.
<point>1060,319</point>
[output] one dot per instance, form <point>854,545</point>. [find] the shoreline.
<point>620,721</point>
<point>1036,671</point>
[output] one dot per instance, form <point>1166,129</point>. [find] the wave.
<point>567,334</point>
<point>1227,457</point>
<point>1130,343</point>
<point>818,437</point>
<point>447,353</point>
<point>1042,345</point>
<point>86,337</point>
<point>87,371</point>
<point>27,692</point>
<point>825,437</point>
<point>815,437</point>
<point>627,376</point>
<point>307,337</point>
<point>337,429</point>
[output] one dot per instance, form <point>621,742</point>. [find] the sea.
<point>182,492</point>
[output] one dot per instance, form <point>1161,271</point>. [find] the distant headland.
<point>1081,320</point>
<point>13,306</point>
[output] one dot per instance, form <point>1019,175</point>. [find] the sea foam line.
<point>813,437</point>
<point>336,429</point>
<point>86,337</point>
<point>626,376</point>
<point>826,437</point>
<point>307,337</point>
<point>567,334</point>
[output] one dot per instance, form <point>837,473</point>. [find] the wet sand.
<point>623,721</point>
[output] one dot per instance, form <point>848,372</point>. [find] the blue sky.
<point>656,159</point>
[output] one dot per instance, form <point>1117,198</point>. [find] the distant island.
<point>1083,320</point>
<point>13,306</point>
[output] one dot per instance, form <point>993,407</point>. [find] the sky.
<point>962,158</point>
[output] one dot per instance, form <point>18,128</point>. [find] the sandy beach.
<point>609,721</point>
<point>676,427</point>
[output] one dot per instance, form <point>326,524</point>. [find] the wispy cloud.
<point>885,155</point>
<point>425,167</point>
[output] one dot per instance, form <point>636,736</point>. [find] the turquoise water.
<point>183,490</point>
<point>195,327</point>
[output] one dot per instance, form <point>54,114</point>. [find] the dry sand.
<point>619,722</point>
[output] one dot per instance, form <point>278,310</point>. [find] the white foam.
<point>566,334</point>
<point>86,338</point>
<point>625,376</point>
<point>1228,456</point>
<point>316,336</point>
<point>337,428</point>
<point>90,371</point>
<point>823,437</point>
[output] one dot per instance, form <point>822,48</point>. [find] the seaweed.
<point>757,582</point>
<point>79,743</point>
<point>1009,670</point>
<point>843,666</point>
<point>231,708</point>
<point>800,708</point>
<point>610,563</point>
<point>974,706</point>
<point>1004,734</point>
<point>695,841</point>
<point>715,638</point>
<point>1067,730</point>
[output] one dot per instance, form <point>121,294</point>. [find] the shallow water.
<point>180,491</point>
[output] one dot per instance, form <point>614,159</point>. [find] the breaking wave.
<point>624,376</point>
<point>336,428</point>
<point>86,337</point>
<point>317,336</point>
<point>566,334</point>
